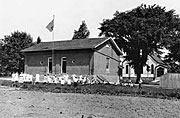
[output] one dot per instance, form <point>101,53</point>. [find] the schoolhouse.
<point>91,56</point>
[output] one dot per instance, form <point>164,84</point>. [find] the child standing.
<point>140,83</point>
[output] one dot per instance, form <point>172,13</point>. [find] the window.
<point>63,64</point>
<point>41,62</point>
<point>107,45</point>
<point>127,69</point>
<point>148,68</point>
<point>50,65</point>
<point>152,69</point>
<point>142,70</point>
<point>107,64</point>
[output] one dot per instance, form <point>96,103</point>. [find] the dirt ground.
<point>16,103</point>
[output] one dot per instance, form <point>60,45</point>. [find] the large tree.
<point>82,32</point>
<point>141,31</point>
<point>12,60</point>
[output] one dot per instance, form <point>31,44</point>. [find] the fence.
<point>170,81</point>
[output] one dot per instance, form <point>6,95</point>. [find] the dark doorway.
<point>63,64</point>
<point>50,64</point>
<point>160,71</point>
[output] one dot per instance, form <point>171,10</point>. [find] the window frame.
<point>63,59</point>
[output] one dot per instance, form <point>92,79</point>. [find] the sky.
<point>32,16</point>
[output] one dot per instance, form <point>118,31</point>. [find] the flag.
<point>50,26</point>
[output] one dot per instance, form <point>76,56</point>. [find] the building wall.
<point>145,74</point>
<point>100,61</point>
<point>78,62</point>
<point>37,62</point>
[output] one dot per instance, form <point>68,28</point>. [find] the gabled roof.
<point>157,59</point>
<point>89,43</point>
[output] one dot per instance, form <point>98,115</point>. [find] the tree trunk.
<point>138,72</point>
<point>138,78</point>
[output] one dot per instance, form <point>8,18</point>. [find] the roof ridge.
<point>87,43</point>
<point>68,40</point>
<point>157,58</point>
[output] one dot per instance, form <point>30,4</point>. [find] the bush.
<point>5,83</point>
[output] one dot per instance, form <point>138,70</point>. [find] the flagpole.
<point>53,68</point>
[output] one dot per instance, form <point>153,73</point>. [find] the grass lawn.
<point>103,89</point>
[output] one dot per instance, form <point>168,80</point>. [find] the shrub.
<point>5,83</point>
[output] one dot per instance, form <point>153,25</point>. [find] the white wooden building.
<point>154,69</point>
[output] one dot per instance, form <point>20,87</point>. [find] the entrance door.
<point>160,71</point>
<point>50,65</point>
<point>63,64</point>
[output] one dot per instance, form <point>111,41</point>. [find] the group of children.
<point>63,78</point>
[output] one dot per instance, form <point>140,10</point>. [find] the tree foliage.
<point>173,67</point>
<point>82,32</point>
<point>145,28</point>
<point>173,58</point>
<point>12,60</point>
